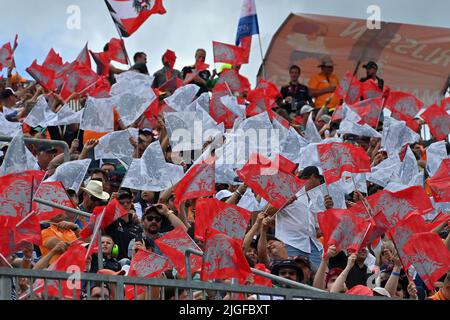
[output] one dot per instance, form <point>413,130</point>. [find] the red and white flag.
<point>78,79</point>
<point>198,182</point>
<point>228,53</point>
<point>438,121</point>
<point>217,109</point>
<point>221,216</point>
<point>337,158</point>
<point>54,192</point>
<point>83,57</point>
<point>44,76</point>
<point>6,55</point>
<point>259,102</point>
<point>268,179</point>
<point>343,229</point>
<point>174,245</point>
<point>16,193</point>
<point>117,51</point>
<point>29,230</point>
<point>349,89</point>
<point>129,15</point>
<point>440,182</point>
<point>371,90</point>
<point>223,258</point>
<point>369,111</point>
<point>404,107</point>
<point>429,256</point>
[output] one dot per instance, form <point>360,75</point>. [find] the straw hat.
<point>95,188</point>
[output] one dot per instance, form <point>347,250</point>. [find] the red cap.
<point>360,290</point>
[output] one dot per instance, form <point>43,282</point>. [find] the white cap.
<point>222,194</point>
<point>381,291</point>
<point>306,108</point>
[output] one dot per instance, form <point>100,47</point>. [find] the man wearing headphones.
<point>110,252</point>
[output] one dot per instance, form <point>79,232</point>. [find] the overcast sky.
<point>187,25</point>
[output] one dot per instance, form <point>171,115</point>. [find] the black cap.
<point>288,263</point>
<point>309,171</point>
<point>150,209</point>
<point>370,65</point>
<point>124,194</point>
<point>5,94</point>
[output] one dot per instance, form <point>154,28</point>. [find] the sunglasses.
<point>153,218</point>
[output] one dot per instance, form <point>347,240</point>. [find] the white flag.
<point>359,180</point>
<point>116,145</point>
<point>311,133</point>
<point>231,103</point>
<point>66,116</point>
<point>436,152</point>
<point>409,169</point>
<point>349,127</point>
<point>8,128</point>
<point>151,172</point>
<point>183,98</point>
<point>395,135</point>
<point>71,173</point>
<point>98,115</point>
<point>41,114</point>
<point>185,130</point>
<point>16,158</point>
<point>385,171</point>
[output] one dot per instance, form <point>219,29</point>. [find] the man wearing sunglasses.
<point>152,220</point>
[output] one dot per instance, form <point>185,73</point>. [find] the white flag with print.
<point>71,173</point>
<point>98,115</point>
<point>116,145</point>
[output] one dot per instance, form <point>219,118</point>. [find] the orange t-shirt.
<point>53,231</point>
<point>319,81</point>
<point>88,134</point>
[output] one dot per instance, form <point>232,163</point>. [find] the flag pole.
<point>126,52</point>
<point>263,65</point>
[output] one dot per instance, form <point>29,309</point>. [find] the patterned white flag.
<point>8,128</point>
<point>71,173</point>
<point>182,98</point>
<point>409,169</point>
<point>231,103</point>
<point>40,115</point>
<point>66,116</point>
<point>151,172</point>
<point>16,158</point>
<point>116,145</point>
<point>350,127</point>
<point>185,130</point>
<point>385,171</point>
<point>436,152</point>
<point>98,115</point>
<point>311,133</point>
<point>395,135</point>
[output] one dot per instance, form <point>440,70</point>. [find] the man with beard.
<point>152,221</point>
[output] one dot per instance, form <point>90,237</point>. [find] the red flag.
<point>235,81</point>
<point>78,79</point>
<point>43,76</point>
<point>371,90</point>
<point>228,53</point>
<point>268,179</point>
<point>223,258</point>
<point>174,245</point>
<point>220,216</point>
<point>71,261</point>
<point>259,102</point>
<point>129,15</point>
<point>286,164</point>
<point>343,229</point>
<point>7,235</point>
<point>113,211</point>
<point>103,61</point>
<point>15,195</point>
<point>440,182</point>
<point>29,230</point>
<point>260,280</point>
<point>217,109</point>
<point>369,111</point>
<point>438,120</point>
<point>338,157</point>
<point>429,256</point>
<point>198,182</point>
<point>404,107</point>
<point>349,89</point>
<point>53,61</point>
<point>54,192</point>
<point>171,85</point>
<point>117,51</point>
<point>97,220</point>
<point>83,58</point>
<point>280,119</point>
<point>270,89</point>
<point>395,206</point>
<point>101,88</point>
<point>437,221</point>
<point>6,55</point>
<point>445,104</point>
<point>145,264</point>
<point>338,113</point>
<point>403,231</point>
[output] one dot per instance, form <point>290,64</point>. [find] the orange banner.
<point>411,58</point>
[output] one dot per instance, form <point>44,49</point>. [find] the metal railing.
<point>151,288</point>
<point>52,143</point>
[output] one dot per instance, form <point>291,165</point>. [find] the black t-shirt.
<point>299,94</point>
<point>205,75</point>
<point>122,233</point>
<point>357,276</point>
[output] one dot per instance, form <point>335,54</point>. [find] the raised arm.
<point>319,278</point>
<point>254,230</point>
<point>339,284</point>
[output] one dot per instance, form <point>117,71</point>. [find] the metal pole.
<point>58,206</point>
<point>262,58</point>
<point>99,251</point>
<point>285,281</point>
<point>5,288</point>
<point>53,143</point>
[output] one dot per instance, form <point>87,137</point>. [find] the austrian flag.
<point>129,15</point>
